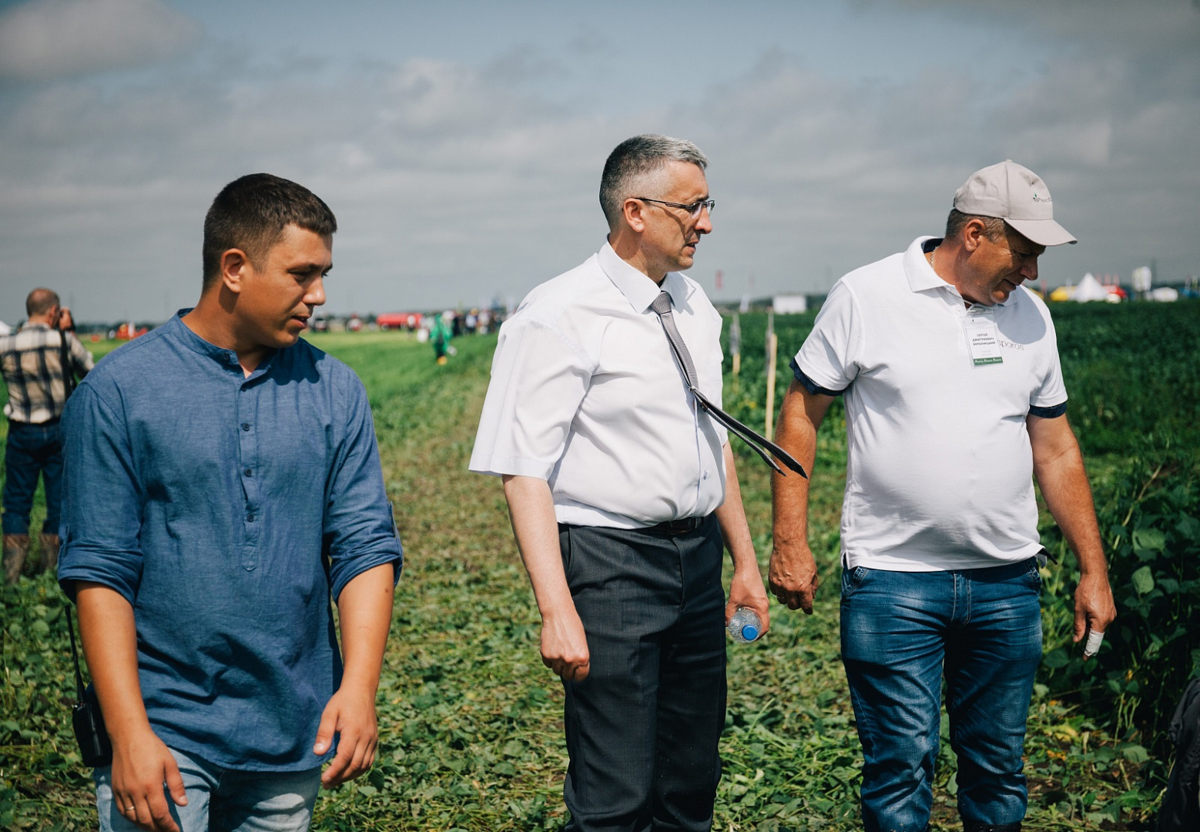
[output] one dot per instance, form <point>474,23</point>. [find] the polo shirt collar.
<point>637,288</point>
<point>922,277</point>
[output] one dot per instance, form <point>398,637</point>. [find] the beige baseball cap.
<point>1016,195</point>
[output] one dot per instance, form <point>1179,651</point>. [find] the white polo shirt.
<point>586,394</point>
<point>940,469</point>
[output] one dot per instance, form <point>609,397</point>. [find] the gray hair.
<point>633,161</point>
<point>993,227</point>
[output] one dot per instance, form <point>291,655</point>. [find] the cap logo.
<point>1046,198</point>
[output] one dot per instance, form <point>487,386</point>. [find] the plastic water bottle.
<point>744,626</point>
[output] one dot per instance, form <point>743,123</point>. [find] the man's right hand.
<point>140,768</point>
<point>792,577</point>
<point>142,763</point>
<point>564,646</point>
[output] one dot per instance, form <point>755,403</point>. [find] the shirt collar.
<point>181,331</point>
<point>637,288</point>
<point>227,358</point>
<point>921,276</point>
<point>35,325</point>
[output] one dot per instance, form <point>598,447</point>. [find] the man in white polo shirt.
<point>954,402</point>
<point>621,490</point>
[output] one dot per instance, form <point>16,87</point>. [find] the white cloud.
<point>47,39</point>
<point>453,182</point>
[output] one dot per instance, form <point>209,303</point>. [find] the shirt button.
<point>249,518</point>
<point>245,426</point>
<point>250,473</point>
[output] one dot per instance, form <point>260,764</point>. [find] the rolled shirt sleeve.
<point>101,502</point>
<point>360,531</point>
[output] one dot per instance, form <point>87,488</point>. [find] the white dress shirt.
<point>586,394</point>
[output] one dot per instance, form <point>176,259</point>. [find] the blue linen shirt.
<point>226,510</point>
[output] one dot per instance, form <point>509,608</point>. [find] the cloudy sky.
<point>460,142</point>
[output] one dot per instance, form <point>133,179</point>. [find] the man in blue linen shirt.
<point>222,481</point>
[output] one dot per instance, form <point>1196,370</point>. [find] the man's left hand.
<point>746,590</point>
<point>351,715</point>
<point>1094,607</point>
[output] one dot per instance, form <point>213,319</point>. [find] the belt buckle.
<point>683,525</point>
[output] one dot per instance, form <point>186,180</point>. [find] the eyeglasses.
<point>693,210</point>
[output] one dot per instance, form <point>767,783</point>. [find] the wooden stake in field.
<point>735,348</point>
<point>767,340</point>
<point>772,350</point>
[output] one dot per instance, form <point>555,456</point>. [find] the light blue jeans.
<point>901,631</point>
<point>224,800</point>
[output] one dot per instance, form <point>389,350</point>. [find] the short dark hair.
<point>251,213</point>
<point>993,227</point>
<point>634,159</point>
<point>41,301</point>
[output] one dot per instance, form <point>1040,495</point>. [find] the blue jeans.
<point>29,451</point>
<point>223,800</point>
<point>901,631</point>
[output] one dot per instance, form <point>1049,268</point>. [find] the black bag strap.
<point>79,688</point>
<point>68,367</point>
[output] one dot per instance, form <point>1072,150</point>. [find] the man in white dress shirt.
<point>621,492</point>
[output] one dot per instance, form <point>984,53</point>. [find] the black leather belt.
<point>674,527</point>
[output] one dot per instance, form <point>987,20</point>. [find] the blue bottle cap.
<point>749,632</point>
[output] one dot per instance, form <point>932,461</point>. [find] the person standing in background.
<point>39,363</point>
<point>440,334</point>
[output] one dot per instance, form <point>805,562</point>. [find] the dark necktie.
<point>662,305</point>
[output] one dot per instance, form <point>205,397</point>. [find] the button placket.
<point>248,460</point>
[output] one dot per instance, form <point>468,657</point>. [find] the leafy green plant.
<point>1131,374</point>
<point>1151,528</point>
<point>470,721</point>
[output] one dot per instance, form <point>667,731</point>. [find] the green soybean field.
<point>470,720</point>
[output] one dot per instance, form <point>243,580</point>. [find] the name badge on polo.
<point>982,339</point>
